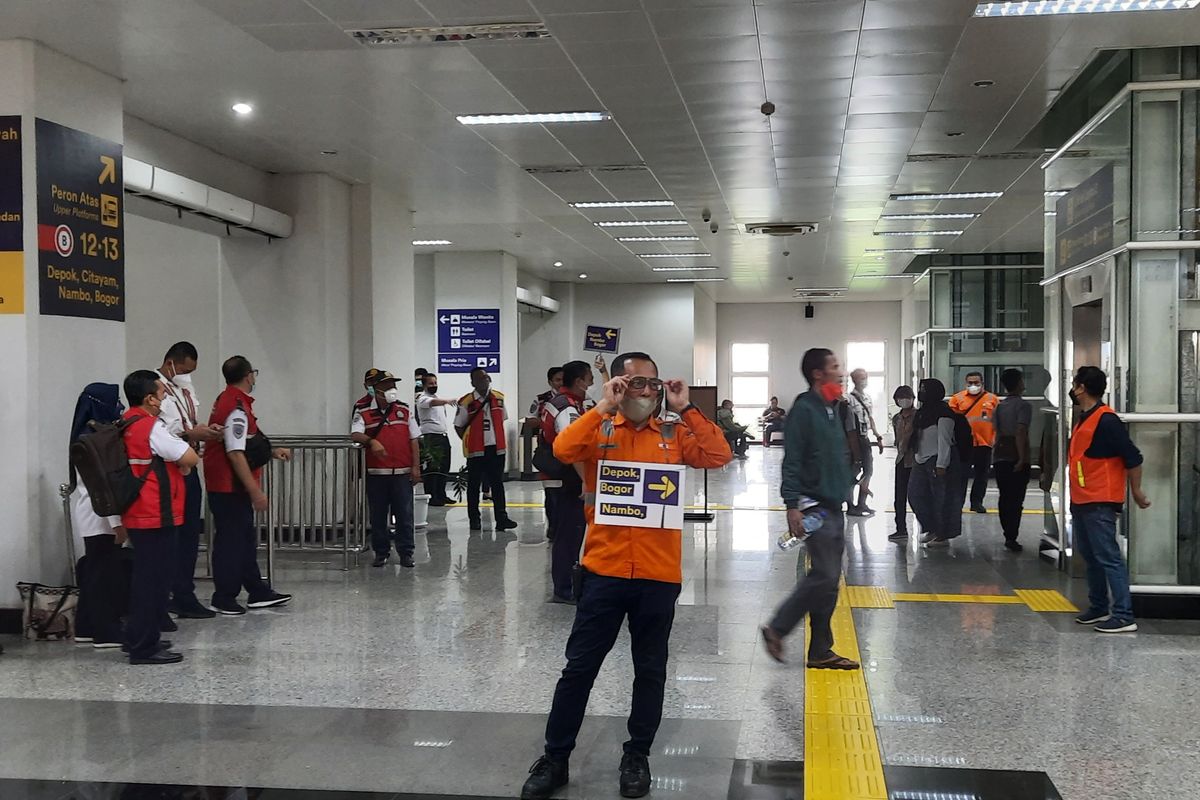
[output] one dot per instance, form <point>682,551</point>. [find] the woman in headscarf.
<point>103,593</point>
<point>937,484</point>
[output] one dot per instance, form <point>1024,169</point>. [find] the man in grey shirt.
<point>1010,456</point>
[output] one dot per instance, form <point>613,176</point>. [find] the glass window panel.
<point>750,391</point>
<point>747,357</point>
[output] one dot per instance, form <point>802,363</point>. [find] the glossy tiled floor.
<point>436,680</point>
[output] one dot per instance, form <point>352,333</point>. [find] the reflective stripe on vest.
<point>1094,480</point>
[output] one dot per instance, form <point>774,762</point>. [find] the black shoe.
<point>164,657</point>
<point>506,525</point>
<point>380,560</point>
<point>193,611</point>
<point>635,775</point>
<point>435,503</point>
<point>979,509</point>
<point>449,502</point>
<point>867,511</point>
<point>407,561</point>
<point>545,777</point>
<point>566,601</point>
<point>898,536</point>
<point>476,525</point>
<point>855,511</point>
<point>1014,545</point>
<point>163,645</point>
<point>271,600</point>
<point>168,625</point>
<point>228,609</point>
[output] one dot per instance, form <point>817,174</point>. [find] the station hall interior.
<point>932,189</point>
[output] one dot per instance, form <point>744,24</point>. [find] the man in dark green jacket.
<point>816,466</point>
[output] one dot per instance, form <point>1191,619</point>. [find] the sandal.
<point>773,642</point>
<point>834,662</point>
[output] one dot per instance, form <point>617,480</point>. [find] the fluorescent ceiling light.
<point>638,223</point>
<point>682,269</point>
<point>1051,213</point>
<point>558,263</point>
<point>949,196</point>
<point>449,34</point>
<point>242,108</point>
<point>583,276</point>
<point>535,119</point>
<point>917,250</point>
<point>919,233</point>
<point>625,204</point>
<point>1062,192</point>
<point>869,276</point>
<point>430,242</point>
<point>674,255</point>
<point>963,215</point>
<point>658,238</point>
<point>694,280</point>
<point>1035,8</point>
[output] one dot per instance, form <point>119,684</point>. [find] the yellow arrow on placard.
<point>666,487</point>
<point>611,334</point>
<point>109,173</point>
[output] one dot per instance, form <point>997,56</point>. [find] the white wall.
<point>424,309</point>
<point>704,351</point>
<point>784,328</point>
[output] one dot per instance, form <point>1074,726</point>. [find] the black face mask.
<point>1074,397</point>
<point>921,397</point>
<point>431,389</point>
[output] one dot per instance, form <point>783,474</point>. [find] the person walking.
<point>978,405</point>
<point>864,428</point>
<point>816,466</point>
<point>937,485</point>
<point>1103,460</point>
<point>1010,455</point>
<point>902,429</point>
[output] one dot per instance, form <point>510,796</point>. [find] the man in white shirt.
<point>180,416</point>
<point>435,429</point>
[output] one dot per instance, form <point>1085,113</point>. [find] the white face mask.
<point>974,389</point>
<point>905,402</point>
<point>392,395</point>
<point>638,409</point>
<point>183,381</point>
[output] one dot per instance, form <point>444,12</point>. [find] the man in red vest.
<point>161,460</point>
<point>569,522</point>
<point>1102,460</point>
<point>480,422</point>
<point>390,433</point>
<point>235,493</point>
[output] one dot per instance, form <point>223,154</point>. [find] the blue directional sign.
<point>468,338</point>
<point>601,338</point>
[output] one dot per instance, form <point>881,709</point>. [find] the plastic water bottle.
<point>814,518</point>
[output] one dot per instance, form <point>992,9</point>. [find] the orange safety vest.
<point>619,551</point>
<point>980,411</point>
<point>473,442</point>
<point>1094,480</point>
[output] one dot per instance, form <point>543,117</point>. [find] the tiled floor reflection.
<point>63,790</point>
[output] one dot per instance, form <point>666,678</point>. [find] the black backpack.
<point>101,461</point>
<point>964,437</point>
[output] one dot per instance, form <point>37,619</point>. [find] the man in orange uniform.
<point>629,572</point>
<point>979,407</point>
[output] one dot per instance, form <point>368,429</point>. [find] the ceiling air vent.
<point>782,228</point>
<point>818,294</point>
<point>448,34</point>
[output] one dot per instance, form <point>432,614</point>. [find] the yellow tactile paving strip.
<point>841,750</point>
<point>1043,600</point>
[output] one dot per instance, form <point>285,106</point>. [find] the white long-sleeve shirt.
<point>936,440</point>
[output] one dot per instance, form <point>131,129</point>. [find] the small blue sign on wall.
<point>468,338</point>
<point>602,339</point>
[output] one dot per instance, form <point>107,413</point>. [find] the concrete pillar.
<point>46,360</point>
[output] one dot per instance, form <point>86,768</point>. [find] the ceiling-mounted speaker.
<point>810,311</point>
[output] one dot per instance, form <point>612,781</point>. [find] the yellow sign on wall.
<point>12,257</point>
<point>12,283</point>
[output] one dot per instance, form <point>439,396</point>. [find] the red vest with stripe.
<point>156,506</point>
<point>478,415</point>
<point>1094,480</point>
<point>558,404</point>
<point>390,428</point>
<point>218,473</point>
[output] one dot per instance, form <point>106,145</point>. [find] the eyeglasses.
<point>641,383</point>
<point>254,372</point>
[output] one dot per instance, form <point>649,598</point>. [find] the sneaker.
<point>271,600</point>
<point>506,525</point>
<point>1115,625</point>
<point>635,775</point>
<point>102,645</point>
<point>407,562</point>
<point>193,611</point>
<point>1092,617</point>
<point>898,536</point>
<point>84,639</point>
<point>1014,545</point>
<point>545,777</point>
<point>979,509</point>
<point>936,542</point>
<point>380,560</point>
<point>867,511</point>
<point>855,511</point>
<point>228,609</point>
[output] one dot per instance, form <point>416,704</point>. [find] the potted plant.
<point>432,464</point>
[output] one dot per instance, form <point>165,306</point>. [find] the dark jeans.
<point>435,478</point>
<point>103,589</point>
<point>153,557</point>
<point>1095,534</point>
<point>183,586</point>
<point>390,497</point>
<point>235,548</point>
<point>981,461</point>
<point>903,475</point>
<point>816,592</point>
<point>606,602</point>
<point>569,528</point>
<point>770,429</point>
<point>936,501</point>
<point>488,468</point>
<point>1012,485</point>
<point>552,501</point>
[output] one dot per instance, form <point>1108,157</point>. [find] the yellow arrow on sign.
<point>109,173</point>
<point>666,487</point>
<point>611,334</point>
